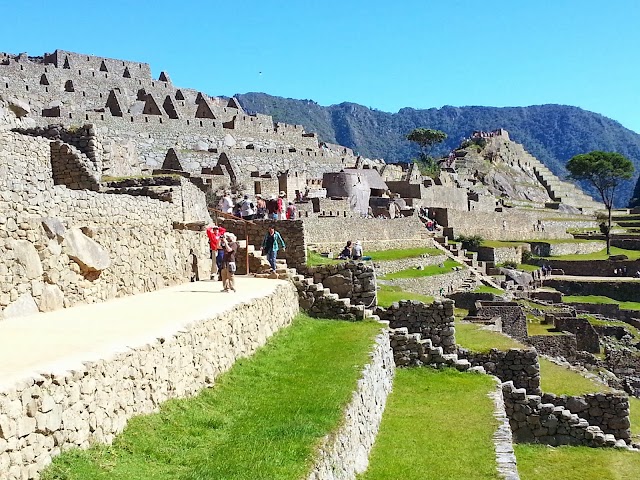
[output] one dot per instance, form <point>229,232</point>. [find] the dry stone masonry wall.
<point>345,453</point>
<point>41,416</point>
<point>518,366</point>
<point>353,280</point>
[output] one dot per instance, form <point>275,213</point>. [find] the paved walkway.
<point>60,341</point>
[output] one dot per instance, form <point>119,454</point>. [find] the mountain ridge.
<point>553,133</point>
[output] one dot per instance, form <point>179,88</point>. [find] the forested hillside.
<point>552,133</point>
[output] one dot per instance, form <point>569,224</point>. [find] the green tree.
<point>426,138</point>
<point>605,171</point>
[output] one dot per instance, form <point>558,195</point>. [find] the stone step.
<point>462,364</point>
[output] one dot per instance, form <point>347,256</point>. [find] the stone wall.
<point>518,366</point>
<point>40,417</point>
<point>627,291</point>
<point>434,285</point>
<point>514,322</point>
<point>353,280</point>
<point>586,337</point>
<point>345,453</point>
<point>609,411</point>
<point>332,233</point>
<point>535,422</point>
<point>434,321</point>
<point>500,255</point>
<point>544,249</point>
<point>610,310</point>
<point>292,232</point>
<point>60,247</point>
<point>592,268</point>
<point>554,345</point>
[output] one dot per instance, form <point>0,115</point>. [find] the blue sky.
<point>385,55</point>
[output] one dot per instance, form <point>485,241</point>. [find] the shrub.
<point>471,242</point>
<point>510,264</point>
<point>526,256</point>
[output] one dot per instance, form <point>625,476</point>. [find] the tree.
<point>426,138</point>
<point>605,171</point>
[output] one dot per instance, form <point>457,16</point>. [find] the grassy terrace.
<point>488,289</point>
<point>315,259</point>
<point>262,420</point>
<point>599,299</point>
<point>431,419</point>
<point>388,294</point>
<point>425,272</point>
<point>600,255</point>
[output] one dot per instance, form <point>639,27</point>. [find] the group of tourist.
<point>546,270</point>
<point>351,251</point>
<point>224,248</point>
<point>273,208</point>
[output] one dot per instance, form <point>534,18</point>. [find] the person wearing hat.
<point>281,208</point>
<point>230,247</point>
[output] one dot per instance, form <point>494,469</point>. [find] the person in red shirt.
<point>214,233</point>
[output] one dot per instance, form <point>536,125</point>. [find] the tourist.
<point>346,252</point>
<point>357,251</point>
<point>261,208</point>
<point>281,208</point>
<point>637,275</point>
<point>291,211</point>
<point>230,248</point>
<point>220,253</point>
<point>247,209</point>
<point>213,234</point>
<point>272,208</point>
<point>271,243</point>
<point>225,205</point>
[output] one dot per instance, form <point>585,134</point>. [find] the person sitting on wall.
<point>345,254</point>
<point>271,243</point>
<point>357,251</point>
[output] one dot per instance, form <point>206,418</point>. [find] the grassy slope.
<point>425,272</point>
<point>262,420</point>
<point>473,337</point>
<point>388,294</point>
<point>601,255</point>
<point>431,419</point>
<point>315,259</point>
<point>599,299</point>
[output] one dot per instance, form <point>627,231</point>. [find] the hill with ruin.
<point>551,133</point>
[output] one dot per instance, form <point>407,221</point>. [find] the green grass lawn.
<point>538,462</point>
<point>425,272</point>
<point>488,289</point>
<point>600,255</point>
<point>502,243</point>
<point>477,339</point>
<point>263,419</point>
<point>402,253</point>
<point>431,420</point>
<point>599,299</point>
<point>388,294</point>
<point>527,268</point>
<point>563,381</point>
<point>314,259</point>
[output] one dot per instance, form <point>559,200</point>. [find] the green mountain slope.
<point>552,133</point>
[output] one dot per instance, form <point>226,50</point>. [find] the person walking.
<point>230,248</point>
<point>282,214</point>
<point>225,204</point>
<point>272,208</point>
<point>271,243</point>
<point>357,251</point>
<point>291,211</point>
<point>261,207</point>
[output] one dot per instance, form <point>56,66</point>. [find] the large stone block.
<point>88,253</point>
<point>27,256</point>
<point>23,306</point>
<point>52,298</point>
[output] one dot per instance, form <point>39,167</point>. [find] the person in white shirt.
<point>225,204</point>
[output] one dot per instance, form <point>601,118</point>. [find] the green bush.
<point>526,256</point>
<point>510,264</point>
<point>471,242</point>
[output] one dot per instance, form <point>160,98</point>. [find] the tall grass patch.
<point>264,419</point>
<point>437,424</point>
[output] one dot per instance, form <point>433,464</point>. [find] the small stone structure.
<point>514,322</point>
<point>587,339</point>
<point>353,280</point>
<point>533,421</point>
<point>518,366</point>
<point>434,322</point>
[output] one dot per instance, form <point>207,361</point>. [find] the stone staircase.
<point>410,349</point>
<point>314,297</point>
